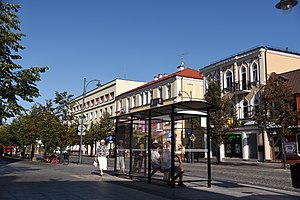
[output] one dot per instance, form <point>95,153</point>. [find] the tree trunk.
<point>283,151</point>
<point>218,156</point>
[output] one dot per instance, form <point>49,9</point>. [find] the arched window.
<point>228,82</point>
<point>254,77</point>
<point>243,78</point>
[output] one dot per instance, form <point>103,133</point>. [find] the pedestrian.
<point>120,157</point>
<point>101,154</point>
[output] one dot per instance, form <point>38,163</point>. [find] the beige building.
<point>241,77</point>
<point>184,85</point>
<point>101,100</point>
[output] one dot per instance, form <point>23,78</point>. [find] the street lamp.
<point>286,5</point>
<point>189,95</point>
<point>85,84</point>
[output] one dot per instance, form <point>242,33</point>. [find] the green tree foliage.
<point>15,83</point>
<point>277,112</point>
<point>106,126</point>
<point>93,134</point>
<point>219,117</point>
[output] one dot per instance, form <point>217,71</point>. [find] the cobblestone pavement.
<point>23,179</point>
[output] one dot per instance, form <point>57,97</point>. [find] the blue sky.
<point>137,39</point>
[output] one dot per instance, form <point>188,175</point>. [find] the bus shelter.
<point>182,127</point>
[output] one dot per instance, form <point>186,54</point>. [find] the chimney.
<point>165,75</point>
<point>160,75</point>
<point>180,67</point>
<point>155,78</point>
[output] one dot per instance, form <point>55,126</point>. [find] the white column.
<point>267,149</point>
<point>245,146</point>
<point>222,151</point>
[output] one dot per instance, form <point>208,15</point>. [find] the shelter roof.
<point>181,110</point>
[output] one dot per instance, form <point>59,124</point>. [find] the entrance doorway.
<point>233,147</point>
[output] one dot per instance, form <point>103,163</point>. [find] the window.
<point>102,99</point>
<point>91,116</point>
<point>168,92</point>
<point>106,97</point>
<point>243,78</point>
<point>228,83</point>
<point>120,106</point>
<point>255,105</point>
<point>160,93</point>
<point>111,110</point>
<point>96,114</point>
<point>245,108</point>
<point>86,117</point>
<point>97,101</point>
<point>150,96</point>
<point>101,113</point>
<point>133,101</point>
<point>112,96</point>
<point>254,73</point>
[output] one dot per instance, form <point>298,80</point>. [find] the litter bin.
<point>295,173</point>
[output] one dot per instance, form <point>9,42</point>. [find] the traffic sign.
<point>82,127</point>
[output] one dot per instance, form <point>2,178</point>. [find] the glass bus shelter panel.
<point>122,151</point>
<point>139,148</point>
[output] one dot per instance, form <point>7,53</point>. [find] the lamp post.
<point>189,95</point>
<point>286,5</point>
<point>85,84</point>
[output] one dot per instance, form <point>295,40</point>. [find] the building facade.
<point>101,100</point>
<point>184,85</point>
<point>241,78</point>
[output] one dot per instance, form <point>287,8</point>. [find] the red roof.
<point>188,73</point>
<point>294,80</point>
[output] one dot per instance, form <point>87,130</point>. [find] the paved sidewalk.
<point>38,180</point>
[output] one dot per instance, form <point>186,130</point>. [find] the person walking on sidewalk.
<point>101,154</point>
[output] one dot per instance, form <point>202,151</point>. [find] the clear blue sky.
<point>137,39</point>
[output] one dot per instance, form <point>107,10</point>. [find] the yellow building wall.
<point>281,62</point>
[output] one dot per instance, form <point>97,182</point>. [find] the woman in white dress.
<point>101,154</point>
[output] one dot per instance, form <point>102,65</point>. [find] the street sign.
<point>193,137</point>
<point>110,139</point>
<point>82,127</point>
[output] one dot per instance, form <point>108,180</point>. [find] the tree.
<point>106,125</point>
<point>276,111</point>
<point>93,134</point>
<point>15,83</point>
<point>218,118</point>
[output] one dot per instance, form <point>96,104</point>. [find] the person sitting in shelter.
<point>155,158</point>
<point>166,164</point>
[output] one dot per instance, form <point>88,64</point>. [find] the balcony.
<point>242,88</point>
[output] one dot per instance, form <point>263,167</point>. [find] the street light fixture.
<point>82,128</point>
<point>286,5</point>
<point>189,95</point>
